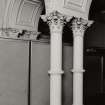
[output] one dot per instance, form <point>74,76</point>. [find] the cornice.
<point>13,33</point>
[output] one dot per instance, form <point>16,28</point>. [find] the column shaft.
<point>79,26</point>
<point>56,22</point>
<point>78,52</point>
<point>56,50</point>
<point>56,68</point>
<point>78,71</point>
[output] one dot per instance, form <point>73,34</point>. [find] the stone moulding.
<point>18,34</point>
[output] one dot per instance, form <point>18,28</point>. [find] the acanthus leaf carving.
<point>56,20</point>
<point>79,26</point>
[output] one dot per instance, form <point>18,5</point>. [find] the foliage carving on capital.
<point>79,26</point>
<point>55,18</point>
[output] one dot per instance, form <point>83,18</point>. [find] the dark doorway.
<point>94,77</point>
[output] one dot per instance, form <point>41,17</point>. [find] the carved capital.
<point>79,26</point>
<point>55,20</point>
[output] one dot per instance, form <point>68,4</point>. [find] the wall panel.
<point>13,72</point>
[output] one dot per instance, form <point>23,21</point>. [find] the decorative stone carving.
<point>79,26</point>
<point>55,20</point>
<point>18,34</point>
<point>19,18</point>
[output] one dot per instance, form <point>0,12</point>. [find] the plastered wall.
<point>14,69</point>
<point>13,72</point>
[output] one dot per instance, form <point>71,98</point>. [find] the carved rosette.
<point>55,20</point>
<point>79,26</point>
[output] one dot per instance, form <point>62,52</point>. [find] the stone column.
<point>79,26</point>
<point>56,22</point>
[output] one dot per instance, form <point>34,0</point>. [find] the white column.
<point>56,22</point>
<point>78,27</point>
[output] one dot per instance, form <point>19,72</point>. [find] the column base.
<point>55,72</point>
<point>77,70</point>
<point>77,104</point>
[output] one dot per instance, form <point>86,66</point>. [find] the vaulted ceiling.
<point>97,7</point>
